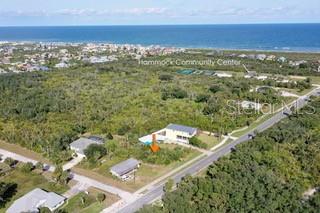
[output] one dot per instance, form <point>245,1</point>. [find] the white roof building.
<point>35,199</point>
<point>262,77</point>
<point>61,65</point>
<point>261,57</point>
<point>223,75</point>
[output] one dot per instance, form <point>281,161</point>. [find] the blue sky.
<point>139,12</point>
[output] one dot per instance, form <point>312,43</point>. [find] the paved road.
<point>126,196</point>
<point>6,154</point>
<point>157,191</point>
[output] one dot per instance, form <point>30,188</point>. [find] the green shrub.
<point>194,141</point>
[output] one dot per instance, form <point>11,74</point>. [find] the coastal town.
<point>92,130</point>
<point>196,106</point>
<point>17,57</point>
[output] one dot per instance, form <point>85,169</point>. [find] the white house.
<point>173,133</point>
<point>34,200</point>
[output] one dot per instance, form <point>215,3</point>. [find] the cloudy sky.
<point>139,12</point>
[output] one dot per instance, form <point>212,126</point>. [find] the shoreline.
<point>278,50</point>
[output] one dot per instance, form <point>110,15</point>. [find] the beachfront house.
<point>125,169</point>
<point>34,200</point>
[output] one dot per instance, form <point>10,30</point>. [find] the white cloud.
<point>163,12</point>
<point>91,12</point>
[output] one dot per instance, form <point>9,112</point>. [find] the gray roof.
<point>33,200</point>
<point>182,128</point>
<point>82,143</point>
<point>125,166</point>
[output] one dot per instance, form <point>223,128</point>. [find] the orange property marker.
<point>154,147</point>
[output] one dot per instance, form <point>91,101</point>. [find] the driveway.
<point>72,163</point>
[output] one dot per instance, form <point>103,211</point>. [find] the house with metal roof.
<point>34,200</point>
<point>81,144</point>
<point>180,133</point>
<point>172,133</point>
<point>125,169</point>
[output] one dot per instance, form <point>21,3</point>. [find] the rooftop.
<point>182,128</point>
<point>82,143</point>
<point>35,199</point>
<point>125,166</point>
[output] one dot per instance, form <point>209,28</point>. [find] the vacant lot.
<point>210,140</point>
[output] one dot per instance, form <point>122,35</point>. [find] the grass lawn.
<point>87,203</point>
<point>29,181</point>
<point>145,174</point>
<point>210,140</point>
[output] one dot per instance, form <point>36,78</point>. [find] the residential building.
<point>262,77</point>
<point>223,75</point>
<point>261,57</point>
<point>35,199</point>
<point>271,58</point>
<point>61,65</point>
<point>82,144</point>
<point>282,59</point>
<point>125,169</point>
<point>180,133</point>
<point>172,133</point>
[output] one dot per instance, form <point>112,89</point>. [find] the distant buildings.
<point>34,200</point>
<point>62,65</point>
<point>282,59</point>
<point>297,63</point>
<point>223,75</point>
<point>261,57</point>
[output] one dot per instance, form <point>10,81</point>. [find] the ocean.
<point>272,37</point>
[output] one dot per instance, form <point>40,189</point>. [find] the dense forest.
<point>272,173</point>
<point>46,111</point>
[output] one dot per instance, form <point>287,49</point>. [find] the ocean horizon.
<point>269,37</point>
